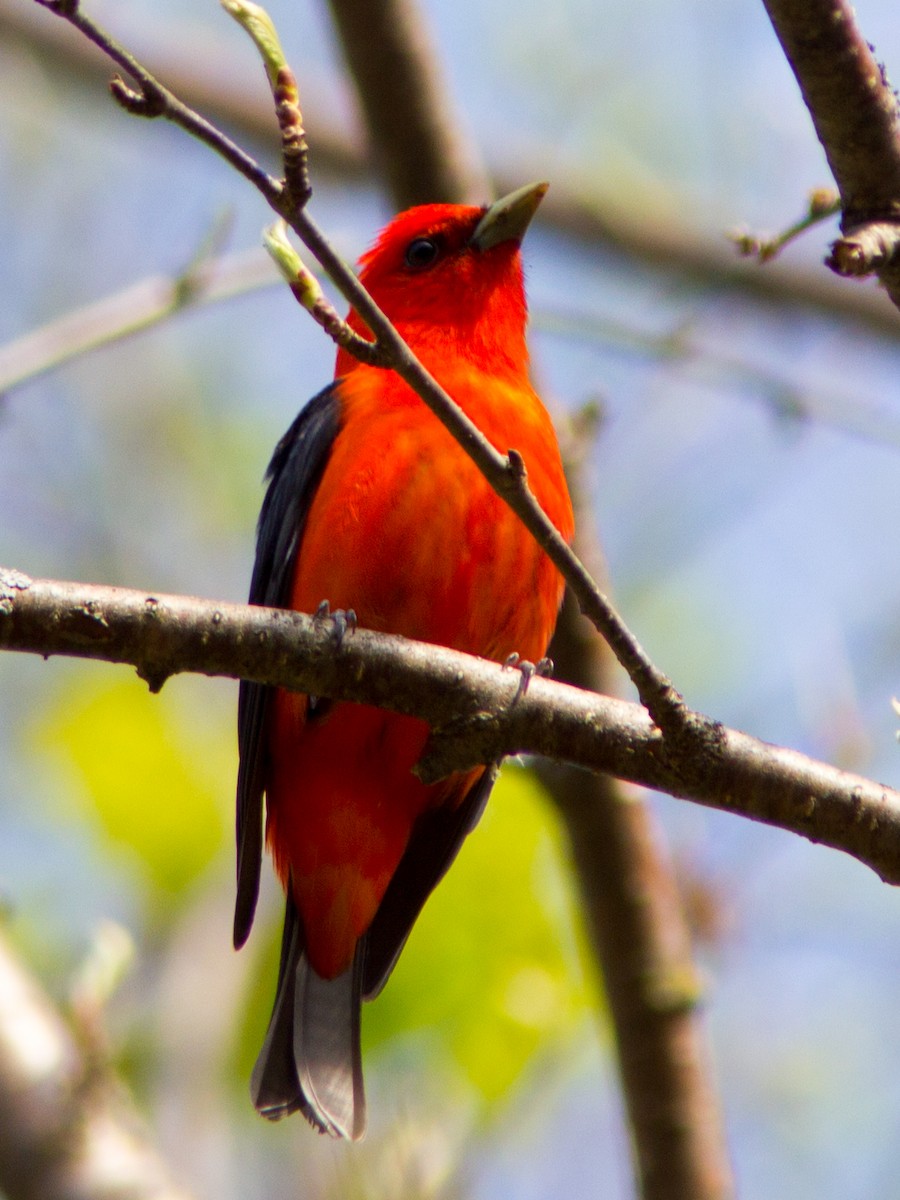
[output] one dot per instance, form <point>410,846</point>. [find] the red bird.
<point>373,506</point>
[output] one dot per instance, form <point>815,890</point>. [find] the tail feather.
<point>326,1049</point>
<point>311,1057</point>
<point>274,1086</point>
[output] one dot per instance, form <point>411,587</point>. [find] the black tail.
<point>311,1059</point>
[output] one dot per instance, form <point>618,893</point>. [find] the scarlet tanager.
<point>374,507</point>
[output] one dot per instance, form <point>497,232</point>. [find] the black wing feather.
<point>293,476</point>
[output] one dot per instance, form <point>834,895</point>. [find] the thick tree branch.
<point>468,701</point>
<point>69,1131</point>
<point>856,117</point>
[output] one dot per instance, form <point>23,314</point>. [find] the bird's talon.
<point>343,621</point>
<point>527,671</point>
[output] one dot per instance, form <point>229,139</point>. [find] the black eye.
<point>421,253</point>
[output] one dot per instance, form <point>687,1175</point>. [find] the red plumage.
<point>373,506</point>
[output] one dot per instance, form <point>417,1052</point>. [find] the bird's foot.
<point>343,621</point>
<point>527,671</point>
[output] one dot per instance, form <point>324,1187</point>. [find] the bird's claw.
<point>527,671</point>
<point>343,621</point>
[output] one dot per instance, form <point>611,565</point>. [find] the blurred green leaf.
<point>494,963</point>
<point>147,772</point>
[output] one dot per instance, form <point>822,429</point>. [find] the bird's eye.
<point>421,253</point>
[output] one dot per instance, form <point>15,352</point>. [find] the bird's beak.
<point>506,220</point>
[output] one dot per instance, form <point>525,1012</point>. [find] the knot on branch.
<point>144,102</point>
<point>515,466</point>
<point>65,8</point>
<point>692,744</point>
<point>866,249</point>
<point>11,581</point>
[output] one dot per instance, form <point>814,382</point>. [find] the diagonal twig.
<point>503,472</point>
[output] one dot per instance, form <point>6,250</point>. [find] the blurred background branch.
<point>69,1129</point>
<point>133,310</point>
<point>417,139</point>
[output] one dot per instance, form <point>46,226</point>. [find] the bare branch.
<point>856,116</point>
<point>151,99</point>
<point>823,203</point>
<point>468,701</point>
<point>285,93</point>
<point>308,293</point>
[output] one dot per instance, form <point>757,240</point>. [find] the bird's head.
<point>449,277</point>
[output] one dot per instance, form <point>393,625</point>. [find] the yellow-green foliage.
<point>492,964</point>
<point>145,772</point>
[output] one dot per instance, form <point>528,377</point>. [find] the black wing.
<point>293,476</point>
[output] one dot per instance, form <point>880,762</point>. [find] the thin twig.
<point>256,22</point>
<point>823,203</point>
<point>502,472</point>
<point>153,100</point>
<point>307,291</point>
